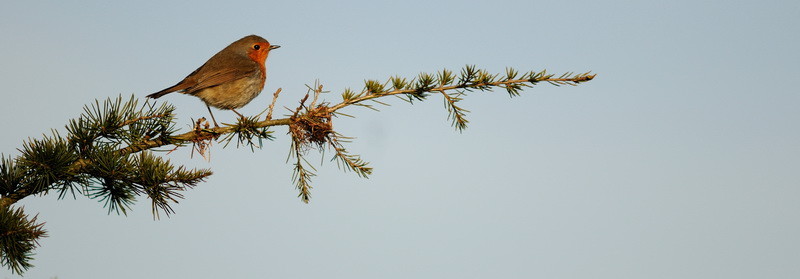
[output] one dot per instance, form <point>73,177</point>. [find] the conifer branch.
<point>344,158</point>
<point>470,79</point>
<point>106,152</point>
<point>456,114</point>
<point>118,122</point>
<point>19,235</point>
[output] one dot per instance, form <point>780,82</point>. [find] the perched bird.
<point>231,78</point>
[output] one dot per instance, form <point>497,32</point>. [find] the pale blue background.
<point>679,161</point>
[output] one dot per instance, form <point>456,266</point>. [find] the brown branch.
<point>195,135</point>
<point>12,198</point>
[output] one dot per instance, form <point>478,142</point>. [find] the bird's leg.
<point>212,116</point>
<point>240,115</point>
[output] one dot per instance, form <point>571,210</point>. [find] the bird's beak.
<point>273,47</point>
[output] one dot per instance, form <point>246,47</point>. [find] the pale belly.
<point>232,95</point>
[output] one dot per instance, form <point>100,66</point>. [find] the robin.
<point>230,79</point>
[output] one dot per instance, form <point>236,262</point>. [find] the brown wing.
<point>218,77</point>
<point>223,67</point>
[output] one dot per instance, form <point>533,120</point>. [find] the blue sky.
<point>679,161</point>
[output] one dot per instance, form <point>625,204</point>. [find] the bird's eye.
<point>256,47</point>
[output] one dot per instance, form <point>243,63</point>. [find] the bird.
<point>230,79</point>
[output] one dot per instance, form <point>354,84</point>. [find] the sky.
<point>680,160</point>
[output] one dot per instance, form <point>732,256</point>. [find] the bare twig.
<point>317,91</point>
<point>272,105</point>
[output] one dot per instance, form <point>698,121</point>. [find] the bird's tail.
<point>178,87</point>
<point>159,94</point>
